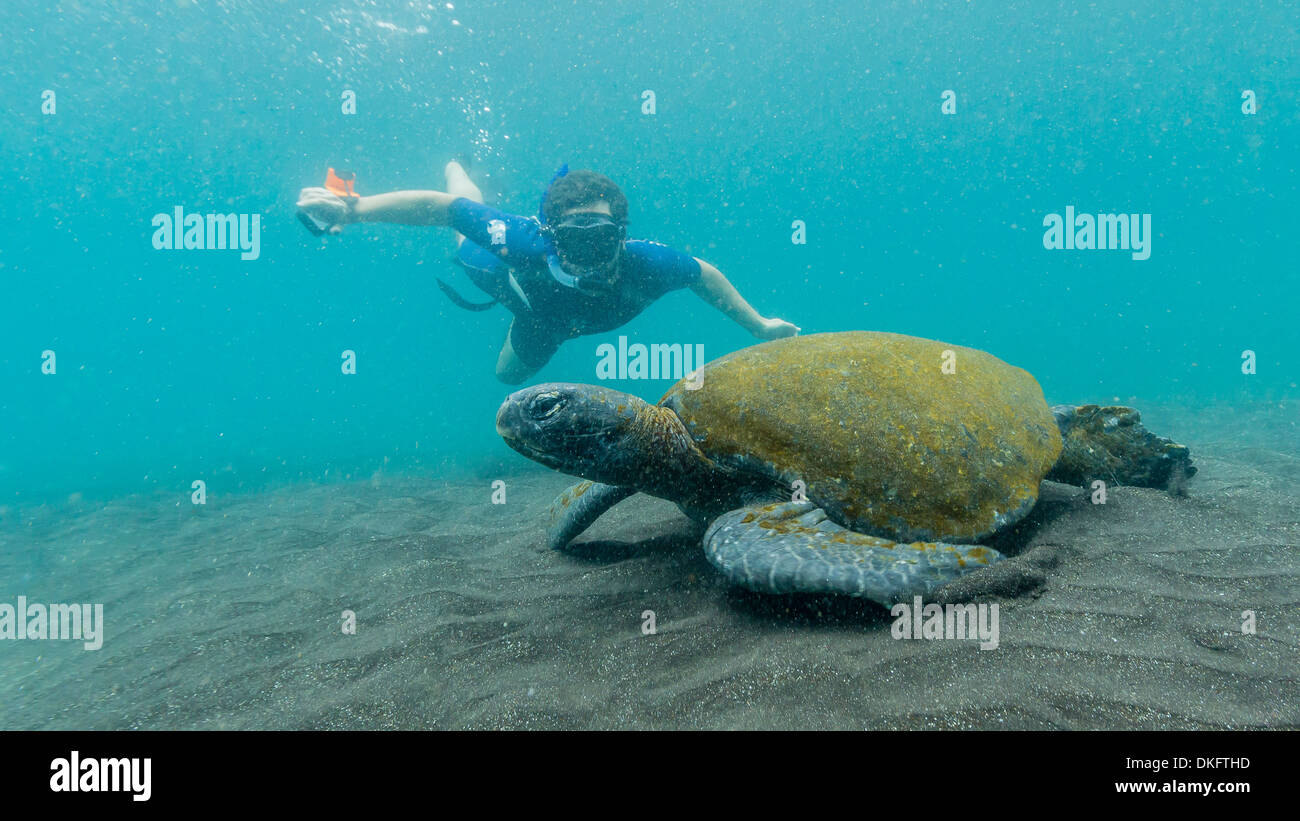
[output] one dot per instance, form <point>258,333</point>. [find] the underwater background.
<point>372,494</point>
<point>177,365</point>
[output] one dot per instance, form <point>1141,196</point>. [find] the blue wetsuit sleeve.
<point>511,237</point>
<point>667,268</point>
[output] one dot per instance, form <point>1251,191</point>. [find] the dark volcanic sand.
<point>228,616</point>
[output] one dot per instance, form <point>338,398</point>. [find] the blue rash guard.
<point>497,244</point>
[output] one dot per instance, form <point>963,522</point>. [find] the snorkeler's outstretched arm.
<point>398,207</point>
<point>405,208</point>
<point>714,289</point>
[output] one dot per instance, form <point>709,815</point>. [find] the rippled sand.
<point>228,615</point>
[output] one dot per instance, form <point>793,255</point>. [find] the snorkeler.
<point>569,272</point>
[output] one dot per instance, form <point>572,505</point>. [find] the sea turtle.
<point>858,463</point>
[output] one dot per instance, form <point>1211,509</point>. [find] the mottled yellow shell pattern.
<point>893,435</point>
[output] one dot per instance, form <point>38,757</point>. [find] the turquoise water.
<point>181,365</point>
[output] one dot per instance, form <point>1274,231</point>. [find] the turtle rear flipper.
<point>1111,444</point>
<point>792,547</point>
<point>575,509</point>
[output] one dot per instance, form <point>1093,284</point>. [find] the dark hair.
<point>583,187</point>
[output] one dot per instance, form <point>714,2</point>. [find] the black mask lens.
<point>588,239</point>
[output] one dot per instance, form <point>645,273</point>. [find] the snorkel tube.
<point>552,255</point>
<point>541,206</point>
<point>560,275</point>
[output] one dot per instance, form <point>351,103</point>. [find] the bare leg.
<point>460,185</point>
<point>510,368</point>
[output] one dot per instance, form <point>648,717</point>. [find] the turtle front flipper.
<point>1111,444</point>
<point>792,547</point>
<point>575,509</point>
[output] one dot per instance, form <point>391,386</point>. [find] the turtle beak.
<point>506,419</point>
<point>510,425</point>
<point>510,418</point>
<point>520,422</point>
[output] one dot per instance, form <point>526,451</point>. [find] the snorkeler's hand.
<point>776,329</point>
<point>325,208</point>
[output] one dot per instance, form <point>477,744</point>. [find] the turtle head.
<point>582,430</point>
<point>599,434</point>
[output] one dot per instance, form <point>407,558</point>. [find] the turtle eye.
<point>544,405</point>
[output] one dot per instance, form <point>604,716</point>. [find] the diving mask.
<point>587,248</point>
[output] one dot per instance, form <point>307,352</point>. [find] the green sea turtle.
<point>859,463</point>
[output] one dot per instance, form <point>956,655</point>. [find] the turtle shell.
<point>892,435</point>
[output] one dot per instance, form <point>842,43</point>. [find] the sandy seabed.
<point>228,616</point>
